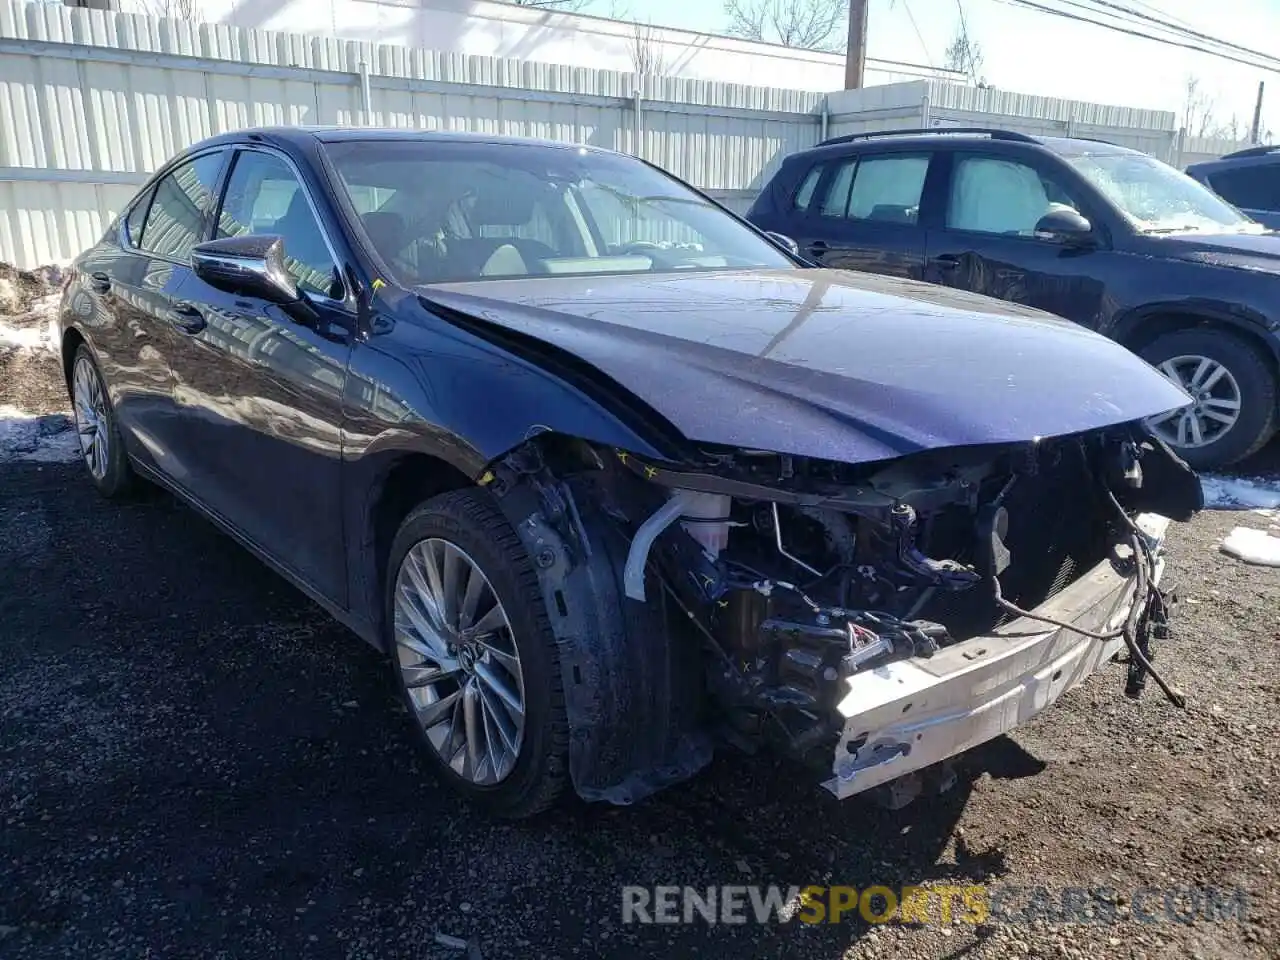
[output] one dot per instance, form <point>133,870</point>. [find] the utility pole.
<point>856,56</point>
<point>1257,116</point>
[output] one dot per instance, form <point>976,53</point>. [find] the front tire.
<point>101,447</point>
<point>473,655</point>
<point>1233,413</point>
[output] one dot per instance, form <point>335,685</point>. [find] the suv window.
<point>264,196</point>
<point>804,196</point>
<point>1000,195</point>
<point>882,188</point>
<point>176,219</point>
<point>1253,187</point>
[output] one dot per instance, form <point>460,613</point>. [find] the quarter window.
<point>804,196</point>
<point>885,189</point>
<point>998,195</point>
<point>137,214</point>
<point>176,219</point>
<point>263,197</point>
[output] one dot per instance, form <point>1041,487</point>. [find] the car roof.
<point>1249,157</point>
<point>334,134</point>
<point>942,137</point>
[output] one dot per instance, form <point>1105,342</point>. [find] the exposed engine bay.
<point>790,577</point>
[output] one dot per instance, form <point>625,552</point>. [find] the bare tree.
<point>174,9</point>
<point>809,24</point>
<point>1197,109</point>
<point>569,6</point>
<point>647,55</point>
<point>964,54</point>
<point>1233,129</point>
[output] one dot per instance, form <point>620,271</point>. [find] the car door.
<point>986,240</point>
<point>137,281</point>
<point>1253,187</point>
<point>864,214</point>
<point>259,386</point>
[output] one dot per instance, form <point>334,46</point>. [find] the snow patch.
<point>1252,546</point>
<point>34,330</point>
<point>47,439</point>
<point>1240,493</point>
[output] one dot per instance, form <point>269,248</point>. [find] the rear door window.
<point>881,189</point>
<point>179,212</point>
<point>1252,188</point>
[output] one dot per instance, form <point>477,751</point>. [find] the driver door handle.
<point>818,248</point>
<point>187,318</point>
<point>947,261</point>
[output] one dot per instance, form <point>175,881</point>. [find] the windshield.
<point>440,211</point>
<point>1158,198</point>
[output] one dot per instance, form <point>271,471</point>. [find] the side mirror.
<point>785,242</point>
<point>251,266</point>
<point>1066,227</point>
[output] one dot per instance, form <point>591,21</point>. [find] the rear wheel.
<point>474,657</point>
<point>1233,390</point>
<point>100,444</point>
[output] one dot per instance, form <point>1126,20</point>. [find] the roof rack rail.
<point>1251,152</point>
<point>991,132</point>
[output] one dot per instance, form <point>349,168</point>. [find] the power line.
<point>1183,31</point>
<point>906,5</point>
<point>1157,10</point>
<point>1273,67</point>
<point>1138,18</point>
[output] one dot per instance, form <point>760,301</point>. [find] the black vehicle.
<point>1110,238</point>
<point>1250,179</point>
<point>608,474</point>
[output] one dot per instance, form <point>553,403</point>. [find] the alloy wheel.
<point>93,422</point>
<point>459,662</point>
<point>1215,405</point>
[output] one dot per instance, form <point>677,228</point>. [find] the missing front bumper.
<point>913,713</point>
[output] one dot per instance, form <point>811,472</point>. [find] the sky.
<point>1031,52</point>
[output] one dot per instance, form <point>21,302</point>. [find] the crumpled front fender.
<point>631,693</point>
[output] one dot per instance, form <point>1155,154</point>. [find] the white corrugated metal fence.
<point>92,101</point>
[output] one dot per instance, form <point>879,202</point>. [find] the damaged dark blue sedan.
<point>610,476</point>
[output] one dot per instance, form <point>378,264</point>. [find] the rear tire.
<point>1240,374</point>
<point>101,447</point>
<point>492,651</point>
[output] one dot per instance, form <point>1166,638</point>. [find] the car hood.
<point>1244,251</point>
<point>828,364</point>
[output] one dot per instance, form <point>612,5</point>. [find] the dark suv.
<point>1110,238</point>
<point>1248,178</point>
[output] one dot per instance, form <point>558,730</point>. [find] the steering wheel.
<point>640,246</point>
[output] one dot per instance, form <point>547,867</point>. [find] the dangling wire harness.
<point>1144,589</point>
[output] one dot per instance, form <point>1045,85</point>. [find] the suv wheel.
<point>1233,413</point>
<point>474,657</point>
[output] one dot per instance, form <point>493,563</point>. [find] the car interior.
<point>468,222</point>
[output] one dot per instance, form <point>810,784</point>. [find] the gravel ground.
<point>196,761</point>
